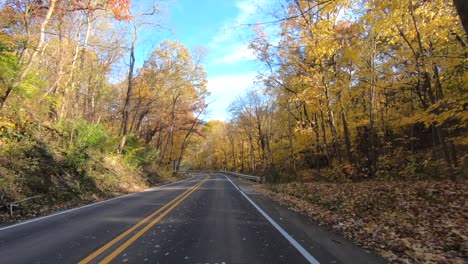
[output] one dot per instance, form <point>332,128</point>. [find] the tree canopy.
<point>363,88</point>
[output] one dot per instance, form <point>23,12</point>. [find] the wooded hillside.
<point>72,126</point>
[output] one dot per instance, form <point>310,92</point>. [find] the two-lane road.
<point>205,219</point>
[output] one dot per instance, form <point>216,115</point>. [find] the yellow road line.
<point>124,234</point>
<point>127,243</point>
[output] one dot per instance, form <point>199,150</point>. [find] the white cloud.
<point>238,53</point>
<point>224,89</point>
<point>229,47</point>
<point>248,10</point>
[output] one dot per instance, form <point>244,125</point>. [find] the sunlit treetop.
<point>119,8</point>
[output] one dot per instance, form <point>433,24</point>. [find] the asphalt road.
<point>205,219</point>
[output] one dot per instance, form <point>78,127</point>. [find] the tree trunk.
<point>171,131</point>
<point>252,153</point>
<point>462,10</point>
<point>318,144</point>
<point>443,138</point>
<point>185,141</point>
<point>347,137</point>
<point>331,123</point>
<point>242,156</point>
<point>372,134</point>
<point>292,156</point>
<point>324,135</point>
<point>125,110</point>
<point>70,83</point>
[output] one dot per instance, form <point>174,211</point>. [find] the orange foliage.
<point>120,9</point>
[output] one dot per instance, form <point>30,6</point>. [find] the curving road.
<point>205,219</point>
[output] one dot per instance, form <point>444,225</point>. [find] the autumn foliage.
<point>352,90</point>
<point>358,118</point>
<point>63,93</point>
<point>120,8</point>
<point>359,112</point>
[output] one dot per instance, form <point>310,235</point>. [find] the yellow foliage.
<point>5,124</point>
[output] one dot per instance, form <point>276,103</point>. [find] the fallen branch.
<point>11,205</point>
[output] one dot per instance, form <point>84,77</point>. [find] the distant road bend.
<point>209,218</point>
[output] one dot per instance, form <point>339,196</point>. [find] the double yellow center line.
<point>170,206</point>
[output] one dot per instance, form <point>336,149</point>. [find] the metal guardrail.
<point>245,176</point>
<point>239,175</point>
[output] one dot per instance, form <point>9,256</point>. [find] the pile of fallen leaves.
<point>405,222</point>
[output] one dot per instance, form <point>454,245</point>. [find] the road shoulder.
<point>77,205</point>
<point>322,244</point>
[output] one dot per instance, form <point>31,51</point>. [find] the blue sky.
<point>216,26</point>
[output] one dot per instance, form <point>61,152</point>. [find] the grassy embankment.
<point>51,167</point>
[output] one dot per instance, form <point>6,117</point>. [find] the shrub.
<point>84,135</point>
<point>135,154</point>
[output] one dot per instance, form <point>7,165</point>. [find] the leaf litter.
<point>405,222</point>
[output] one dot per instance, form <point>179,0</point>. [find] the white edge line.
<point>88,205</point>
<point>291,240</point>
<point>164,185</point>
